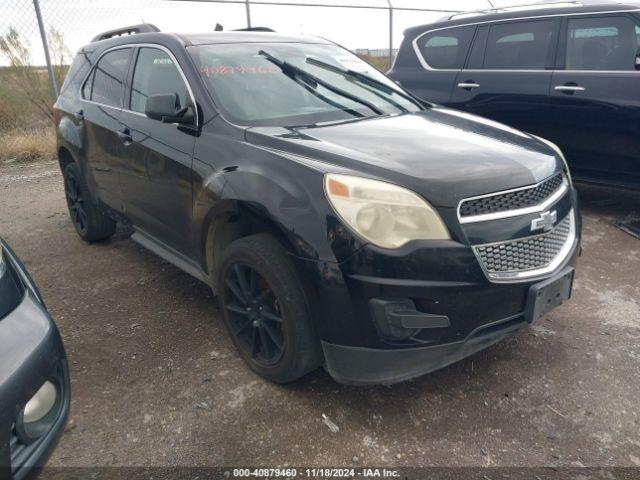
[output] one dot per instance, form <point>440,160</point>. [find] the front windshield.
<point>294,84</point>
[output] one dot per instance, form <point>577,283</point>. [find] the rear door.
<point>428,65</point>
<point>156,178</point>
<point>596,97</point>
<point>102,97</point>
<point>508,74</point>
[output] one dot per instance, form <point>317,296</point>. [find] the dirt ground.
<point>156,380</point>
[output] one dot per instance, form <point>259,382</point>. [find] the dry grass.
<point>25,134</point>
<point>27,145</point>
<point>381,63</point>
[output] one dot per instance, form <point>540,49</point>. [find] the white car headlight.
<point>384,214</point>
<point>560,154</point>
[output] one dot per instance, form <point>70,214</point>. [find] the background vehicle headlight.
<point>384,214</point>
<point>560,154</point>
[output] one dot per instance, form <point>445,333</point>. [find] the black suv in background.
<point>567,71</point>
<point>339,220</point>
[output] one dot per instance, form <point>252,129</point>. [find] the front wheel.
<point>90,223</point>
<point>266,311</point>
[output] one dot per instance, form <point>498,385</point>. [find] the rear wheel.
<point>266,311</point>
<point>90,223</point>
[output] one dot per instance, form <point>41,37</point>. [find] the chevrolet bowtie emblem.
<point>545,222</point>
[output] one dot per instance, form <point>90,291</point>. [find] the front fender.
<point>284,192</point>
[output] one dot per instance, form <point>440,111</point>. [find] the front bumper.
<point>367,366</point>
<point>31,353</point>
<point>443,280</point>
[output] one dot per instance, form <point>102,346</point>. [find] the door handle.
<point>569,88</point>
<point>125,136</point>
<point>468,85</point>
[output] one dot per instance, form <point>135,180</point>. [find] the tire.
<point>271,290</point>
<point>91,224</point>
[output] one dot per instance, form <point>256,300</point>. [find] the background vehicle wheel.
<point>266,311</point>
<point>90,223</point>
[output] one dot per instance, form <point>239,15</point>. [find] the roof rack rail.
<point>514,8</point>
<point>133,29</point>
<point>255,29</point>
<point>220,28</point>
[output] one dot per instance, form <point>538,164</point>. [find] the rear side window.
<point>106,82</point>
<point>606,43</point>
<point>519,46</point>
<point>446,49</point>
<point>76,73</point>
<point>155,74</point>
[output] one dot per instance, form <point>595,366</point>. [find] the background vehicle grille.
<point>502,202</point>
<point>529,253</point>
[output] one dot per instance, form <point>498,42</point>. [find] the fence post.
<point>247,4</point>
<point>43,34</point>
<point>390,33</point>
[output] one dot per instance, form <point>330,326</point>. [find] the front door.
<point>596,98</point>
<point>102,95</point>
<point>508,80</point>
<point>156,181</point>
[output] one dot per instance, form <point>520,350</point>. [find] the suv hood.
<point>443,154</point>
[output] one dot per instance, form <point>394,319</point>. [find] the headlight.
<point>560,154</point>
<point>384,214</point>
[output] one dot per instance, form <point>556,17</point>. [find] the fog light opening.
<point>39,414</point>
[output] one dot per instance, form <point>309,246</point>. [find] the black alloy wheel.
<point>266,309</point>
<point>254,315</point>
<point>91,223</point>
<point>75,201</point>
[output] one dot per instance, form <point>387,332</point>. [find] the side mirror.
<point>165,107</point>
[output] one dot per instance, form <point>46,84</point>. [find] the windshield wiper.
<point>311,86</point>
<point>378,91</point>
<point>367,80</point>
<point>287,67</point>
<point>316,93</point>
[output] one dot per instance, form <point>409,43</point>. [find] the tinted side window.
<point>155,73</point>
<point>519,46</point>
<point>446,48</point>
<point>606,43</point>
<point>76,73</point>
<point>108,78</point>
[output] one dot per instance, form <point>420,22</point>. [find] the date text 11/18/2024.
<point>267,473</point>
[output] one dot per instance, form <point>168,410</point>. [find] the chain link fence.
<point>371,27</point>
<point>379,22</point>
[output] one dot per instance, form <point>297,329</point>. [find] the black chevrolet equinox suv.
<point>339,220</point>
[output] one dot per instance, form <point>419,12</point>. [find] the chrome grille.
<point>512,200</point>
<point>528,256</point>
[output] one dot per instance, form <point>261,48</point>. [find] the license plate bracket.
<point>549,294</point>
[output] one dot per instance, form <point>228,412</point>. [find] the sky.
<point>80,20</point>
